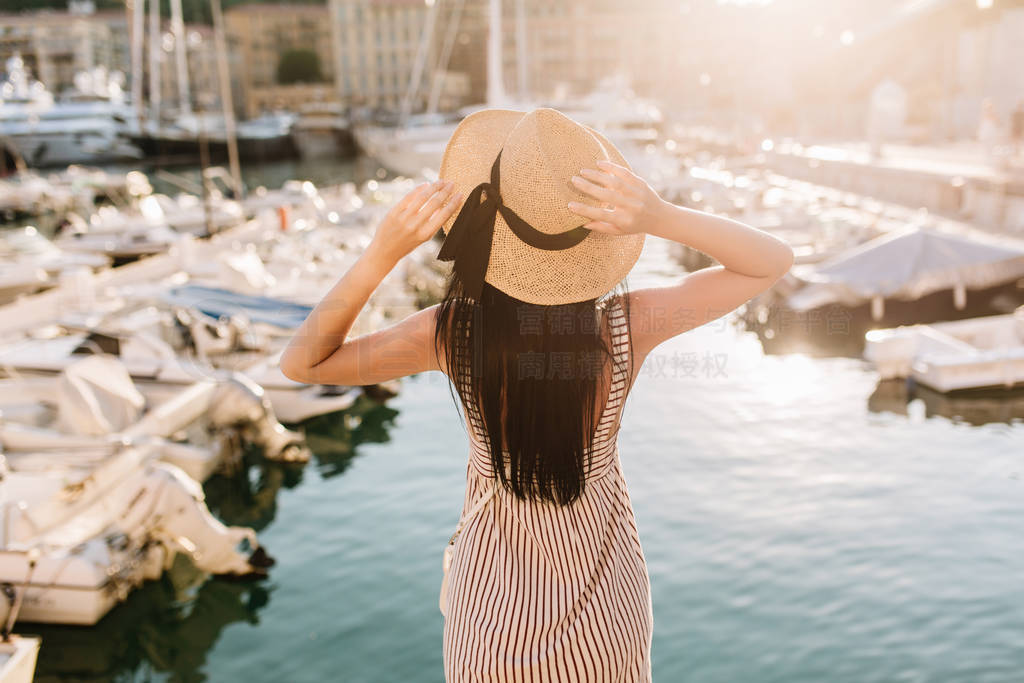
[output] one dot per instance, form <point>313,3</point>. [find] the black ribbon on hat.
<point>468,243</point>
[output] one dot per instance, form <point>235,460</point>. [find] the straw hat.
<point>537,250</point>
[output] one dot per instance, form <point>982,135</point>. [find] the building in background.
<point>56,45</point>
<point>567,45</point>
<point>803,68</point>
<point>376,43</point>
<point>285,54</point>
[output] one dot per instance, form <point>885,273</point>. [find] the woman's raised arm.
<point>320,352</point>
<point>751,259</point>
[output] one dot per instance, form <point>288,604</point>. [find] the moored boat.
<point>962,355</point>
<point>916,274</point>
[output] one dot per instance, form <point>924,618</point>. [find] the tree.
<point>299,66</point>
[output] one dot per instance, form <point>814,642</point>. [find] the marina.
<point>235,301</point>
<point>826,481</point>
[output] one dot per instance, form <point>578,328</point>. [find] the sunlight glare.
<point>799,376</point>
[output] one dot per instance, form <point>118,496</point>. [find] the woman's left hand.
<point>415,219</point>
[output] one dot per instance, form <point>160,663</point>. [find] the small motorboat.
<point>914,275</point>
<point>80,536</point>
<point>97,505</point>
<point>74,412</point>
<point>155,366</point>
<point>122,247</point>
<point>960,355</point>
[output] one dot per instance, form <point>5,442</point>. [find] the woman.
<point>548,580</point>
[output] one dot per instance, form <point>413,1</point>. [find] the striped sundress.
<point>539,592</point>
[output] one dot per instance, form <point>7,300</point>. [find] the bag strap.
<point>473,511</point>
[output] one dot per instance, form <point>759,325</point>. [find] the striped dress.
<point>539,592</point>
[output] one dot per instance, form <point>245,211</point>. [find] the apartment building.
<point>56,45</point>
<point>376,43</point>
<point>551,46</point>
<point>259,35</point>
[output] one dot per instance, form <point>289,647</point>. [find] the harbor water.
<point>797,528</point>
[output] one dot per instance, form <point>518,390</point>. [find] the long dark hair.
<point>545,363</point>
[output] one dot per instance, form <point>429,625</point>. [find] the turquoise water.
<point>796,529</point>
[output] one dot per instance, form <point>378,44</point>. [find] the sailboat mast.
<point>445,56</point>
<point>138,27</point>
<point>178,28</point>
<point>154,58</point>
<point>225,98</point>
<point>426,37</point>
<point>495,87</point>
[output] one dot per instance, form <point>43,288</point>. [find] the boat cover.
<point>909,264</point>
<point>217,302</point>
<point>96,396</point>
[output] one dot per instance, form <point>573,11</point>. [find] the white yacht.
<point>409,148</point>
<point>85,126</point>
<point>263,138</point>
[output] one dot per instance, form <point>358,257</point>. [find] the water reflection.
<point>838,330</point>
<point>248,497</point>
<point>975,408</point>
<point>166,627</point>
<point>334,438</point>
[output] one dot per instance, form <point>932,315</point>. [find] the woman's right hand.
<point>631,205</point>
<point>415,219</point>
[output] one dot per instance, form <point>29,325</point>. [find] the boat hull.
<point>97,541</point>
<point>408,151</point>
<point>18,659</point>
<point>970,355</point>
<point>324,143</point>
<point>183,147</point>
<point>839,330</point>
<point>59,148</point>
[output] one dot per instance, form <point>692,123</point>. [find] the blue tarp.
<point>217,302</point>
